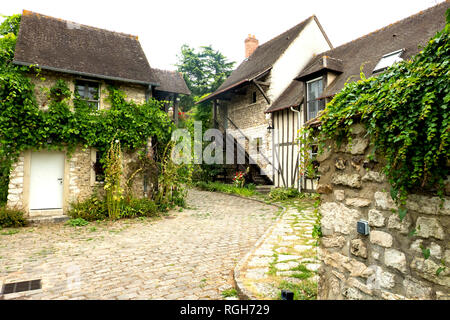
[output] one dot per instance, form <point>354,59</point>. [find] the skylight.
<point>388,60</point>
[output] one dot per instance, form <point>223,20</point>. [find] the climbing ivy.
<point>406,114</point>
<point>64,126</point>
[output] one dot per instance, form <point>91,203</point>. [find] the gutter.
<point>86,74</point>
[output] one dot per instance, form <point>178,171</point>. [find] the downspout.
<point>298,121</point>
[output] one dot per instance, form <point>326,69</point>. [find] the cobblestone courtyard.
<point>188,255</point>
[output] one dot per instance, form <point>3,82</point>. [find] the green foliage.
<point>11,218</point>
<point>113,173</point>
<point>139,208</point>
<point>306,290</point>
<point>94,209</point>
<point>229,293</point>
<point>171,181</point>
<point>11,24</point>
<point>246,191</point>
<point>406,113</point>
<point>280,194</point>
<point>78,222</point>
<point>91,209</point>
<point>203,71</point>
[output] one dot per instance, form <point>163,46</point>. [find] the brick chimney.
<point>251,43</point>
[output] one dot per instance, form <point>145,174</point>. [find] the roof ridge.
<point>29,13</point>
<point>388,26</point>
<point>286,31</point>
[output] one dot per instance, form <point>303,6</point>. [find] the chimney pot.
<point>251,43</point>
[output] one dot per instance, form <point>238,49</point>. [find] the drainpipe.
<point>298,121</point>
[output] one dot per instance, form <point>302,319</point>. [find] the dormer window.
<point>388,60</point>
<point>314,89</point>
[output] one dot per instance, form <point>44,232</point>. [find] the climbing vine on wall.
<point>406,111</point>
<point>63,126</point>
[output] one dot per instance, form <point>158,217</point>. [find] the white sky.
<point>164,26</point>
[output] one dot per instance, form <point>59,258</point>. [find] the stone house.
<point>44,183</point>
<point>327,72</point>
<point>387,260</point>
<point>267,70</point>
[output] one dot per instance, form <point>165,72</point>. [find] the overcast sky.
<point>164,26</point>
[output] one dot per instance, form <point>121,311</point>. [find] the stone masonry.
<point>79,165</point>
<point>390,262</point>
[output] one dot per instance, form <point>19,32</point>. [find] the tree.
<point>204,71</point>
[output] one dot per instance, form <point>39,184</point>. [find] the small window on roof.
<point>388,60</point>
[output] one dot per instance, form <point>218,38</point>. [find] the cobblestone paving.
<point>189,255</point>
<point>286,259</point>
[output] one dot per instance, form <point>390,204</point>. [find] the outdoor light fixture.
<point>287,295</point>
<point>362,227</point>
<point>270,127</point>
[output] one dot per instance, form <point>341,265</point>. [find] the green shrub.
<point>280,194</point>
<point>11,218</point>
<point>90,209</point>
<point>78,222</point>
<point>226,188</point>
<point>139,208</point>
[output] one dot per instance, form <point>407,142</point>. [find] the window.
<point>314,89</point>
<point>388,60</point>
<point>88,91</point>
<point>99,170</point>
<point>254,97</point>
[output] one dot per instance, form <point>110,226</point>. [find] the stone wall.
<point>46,79</point>
<point>79,176</point>
<point>388,263</point>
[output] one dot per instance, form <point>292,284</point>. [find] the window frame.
<point>318,101</point>
<point>86,83</point>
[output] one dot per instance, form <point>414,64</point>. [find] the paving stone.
<point>161,259</point>
<point>287,265</point>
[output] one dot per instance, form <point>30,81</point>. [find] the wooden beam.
<point>262,83</point>
<point>175,109</point>
<point>262,91</point>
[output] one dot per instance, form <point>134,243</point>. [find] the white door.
<point>46,180</point>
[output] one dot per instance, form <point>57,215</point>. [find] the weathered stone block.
<point>326,153</point>
<point>323,168</point>
<point>340,163</point>
<point>358,146</point>
<point>338,218</point>
<point>402,226</point>
<point>324,189</point>
<point>357,202</point>
<point>373,176</point>
<point>381,238</point>
<point>416,290</point>
<point>339,195</point>
<point>423,204</point>
<point>358,248</point>
<point>395,259</point>
<point>427,269</point>
<point>358,129</point>
<point>384,201</point>
<point>342,263</point>
<point>429,227</point>
<point>376,218</point>
<point>349,180</point>
<point>333,242</point>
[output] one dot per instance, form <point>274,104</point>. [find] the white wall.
<point>308,43</point>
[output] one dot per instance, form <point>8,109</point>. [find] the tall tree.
<point>203,70</point>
